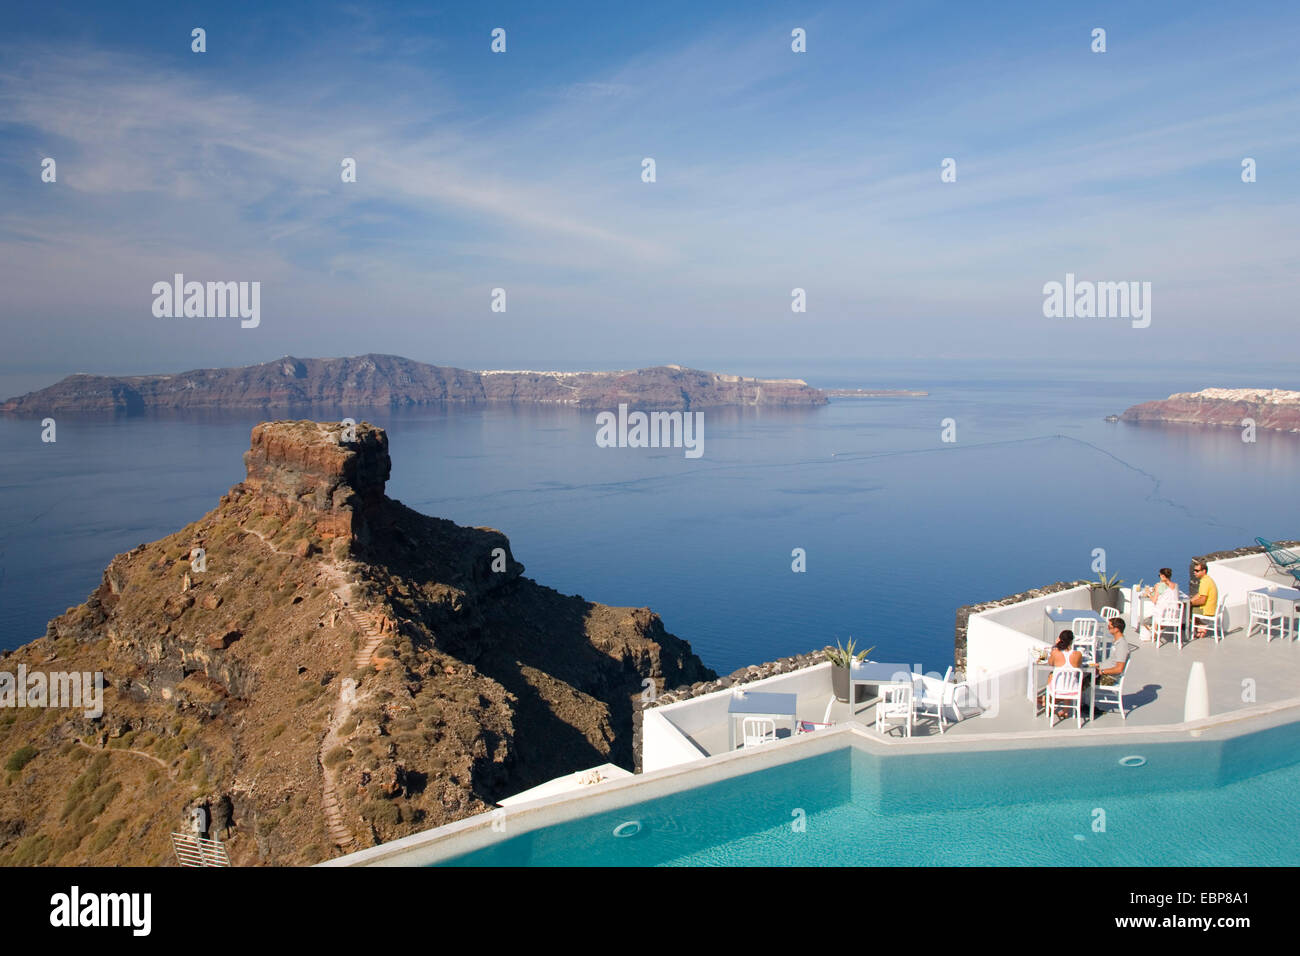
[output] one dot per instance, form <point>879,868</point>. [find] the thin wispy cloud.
<point>774,170</point>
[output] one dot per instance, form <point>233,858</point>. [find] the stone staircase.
<point>338,830</point>
<point>367,625</point>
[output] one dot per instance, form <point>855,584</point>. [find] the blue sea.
<point>898,527</point>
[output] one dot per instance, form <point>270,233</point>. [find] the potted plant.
<point>1105,591</point>
<point>842,658</point>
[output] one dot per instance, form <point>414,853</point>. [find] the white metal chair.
<point>1169,623</point>
<point>1108,612</point>
<point>1117,689</point>
<point>931,696</point>
<point>1085,637</point>
<point>1262,613</point>
<point>810,726</point>
<point>1213,624</point>
<point>1065,689</point>
<point>894,709</point>
<point>756,731</point>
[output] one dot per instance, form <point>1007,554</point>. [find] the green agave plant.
<point>1106,583</point>
<point>843,656</point>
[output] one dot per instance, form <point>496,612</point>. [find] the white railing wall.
<point>1236,576</point>
<point>997,658</point>
<point>665,730</point>
<point>663,745</point>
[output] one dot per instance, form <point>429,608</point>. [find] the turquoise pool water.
<point>1192,803</point>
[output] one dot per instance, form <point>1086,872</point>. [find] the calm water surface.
<point>899,528</point>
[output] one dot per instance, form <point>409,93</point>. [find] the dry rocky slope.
<point>373,381</point>
<point>345,671</point>
<point>1273,409</point>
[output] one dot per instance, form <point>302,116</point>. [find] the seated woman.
<point>1164,594</point>
<point>1165,583</point>
<point>1062,656</point>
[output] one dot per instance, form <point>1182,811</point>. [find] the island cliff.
<point>320,668</point>
<point>1273,409</point>
<point>387,381</point>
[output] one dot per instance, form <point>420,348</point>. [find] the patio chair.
<point>1169,623</point>
<point>894,709</point>
<point>1085,637</point>
<point>1116,689</point>
<point>1065,689</point>
<point>1108,612</point>
<point>1280,557</point>
<point>931,697</point>
<point>809,726</point>
<point>1213,624</point>
<point>756,731</point>
<point>1262,613</point>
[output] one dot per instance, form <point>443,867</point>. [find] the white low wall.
<point>663,729</point>
<point>997,658</point>
<point>1235,576</point>
<point>663,745</point>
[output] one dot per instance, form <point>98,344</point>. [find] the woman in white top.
<point>1164,594</point>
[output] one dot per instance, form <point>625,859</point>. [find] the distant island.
<point>388,381</point>
<point>1274,409</point>
<point>873,393</point>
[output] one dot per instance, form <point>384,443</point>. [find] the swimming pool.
<point>1183,803</point>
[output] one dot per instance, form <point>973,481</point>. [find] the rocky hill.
<point>386,381</point>
<point>1274,409</point>
<point>322,669</point>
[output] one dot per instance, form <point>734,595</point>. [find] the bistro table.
<point>1057,621</point>
<point>758,704</point>
<point>874,672</point>
<point>1279,595</point>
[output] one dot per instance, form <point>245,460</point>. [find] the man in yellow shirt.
<point>1206,599</point>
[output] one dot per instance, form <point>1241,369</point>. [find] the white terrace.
<point>1243,673</point>
<point>1252,683</point>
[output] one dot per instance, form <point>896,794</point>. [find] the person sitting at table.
<point>1062,656</point>
<point>1165,583</point>
<point>1206,598</point>
<point>1120,649</point>
<point>1165,593</point>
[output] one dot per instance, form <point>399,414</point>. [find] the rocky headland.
<point>322,669</point>
<point>389,381</point>
<point>1274,409</point>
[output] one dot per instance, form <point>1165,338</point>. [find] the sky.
<point>522,170</point>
